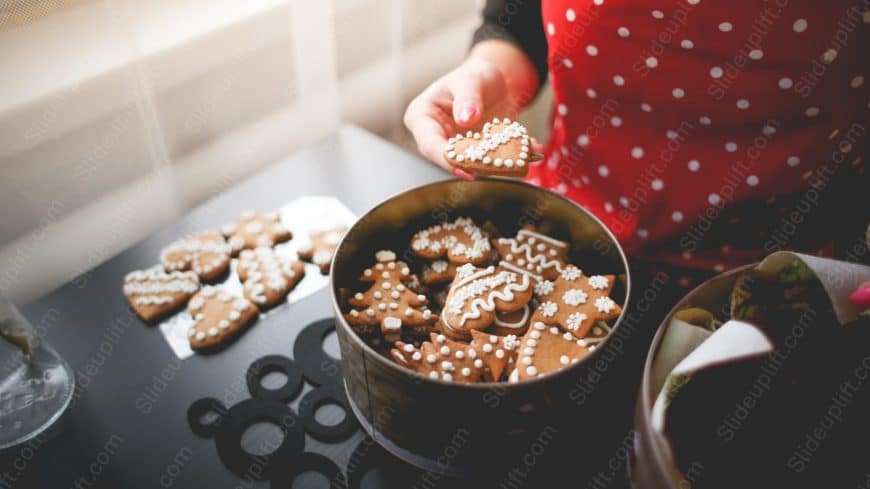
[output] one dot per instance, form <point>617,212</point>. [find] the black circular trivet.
<point>327,394</point>
<point>239,418</point>
<point>311,462</point>
<point>318,366</point>
<point>199,409</point>
<point>270,364</point>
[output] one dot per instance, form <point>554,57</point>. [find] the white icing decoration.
<point>489,141</point>
<point>544,287</point>
<point>549,309</point>
<point>384,256</point>
<point>479,244</point>
<point>574,297</point>
<point>391,323</point>
<point>571,273</point>
<point>515,325</point>
<point>598,282</point>
<point>575,320</point>
<point>604,304</point>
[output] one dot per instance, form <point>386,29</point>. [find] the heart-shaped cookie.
<point>501,148</point>
<point>218,316</point>
<point>207,254</point>
<point>545,349</point>
<point>252,230</point>
<point>266,277</point>
<point>153,293</point>
<point>477,294</point>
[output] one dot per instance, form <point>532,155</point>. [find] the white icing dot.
<point>714,199</point>
<point>716,72</point>
<point>785,83</point>
<point>743,104</point>
<point>570,15</point>
<point>752,180</point>
<point>730,146</point>
<point>687,44</point>
<point>657,184</point>
<point>637,152</point>
<point>618,80</point>
<point>677,216</point>
<point>756,54</point>
<point>592,50</point>
<point>799,25</point>
<point>623,32</point>
<point>678,92</point>
<point>793,161</point>
<point>725,27</point>
<point>603,171</point>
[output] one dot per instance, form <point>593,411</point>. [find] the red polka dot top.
<point>706,133</point>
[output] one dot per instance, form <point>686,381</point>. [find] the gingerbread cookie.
<point>218,316</point>
<point>439,272</point>
<point>252,230</point>
<point>533,253</point>
<point>545,349</point>
<point>497,352</point>
<point>266,277</point>
<point>389,303</point>
<point>511,323</point>
<point>152,293</point>
<point>502,148</point>
<point>575,302</point>
<point>321,248</point>
<point>207,254</point>
<point>477,294</point>
<point>460,241</point>
<point>441,358</point>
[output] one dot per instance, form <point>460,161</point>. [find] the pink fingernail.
<point>467,113</point>
<point>861,297</point>
<point>463,175</point>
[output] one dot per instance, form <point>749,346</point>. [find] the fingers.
<point>429,133</point>
<point>537,147</point>
<point>467,90</point>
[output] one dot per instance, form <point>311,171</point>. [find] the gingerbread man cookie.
<point>545,349</point>
<point>266,277</point>
<point>476,295</point>
<point>321,248</point>
<point>152,293</point>
<point>502,148</point>
<point>533,253</point>
<point>389,303</point>
<point>575,302</point>
<point>218,316</point>
<point>207,254</point>
<point>252,230</point>
<point>460,241</point>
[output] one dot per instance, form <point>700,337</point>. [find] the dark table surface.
<point>127,429</point>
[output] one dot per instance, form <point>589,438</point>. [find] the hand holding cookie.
<point>501,148</point>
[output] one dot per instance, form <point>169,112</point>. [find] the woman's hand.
<point>496,80</point>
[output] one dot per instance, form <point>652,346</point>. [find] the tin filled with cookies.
<point>468,313</point>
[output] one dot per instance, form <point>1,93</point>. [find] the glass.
<point>36,384</point>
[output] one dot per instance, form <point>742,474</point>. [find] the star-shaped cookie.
<point>575,302</point>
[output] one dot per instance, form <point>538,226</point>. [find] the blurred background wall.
<point>117,116</point>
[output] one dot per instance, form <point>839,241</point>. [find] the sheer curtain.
<point>116,116</point>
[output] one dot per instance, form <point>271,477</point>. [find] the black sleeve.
<point>520,23</point>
